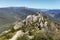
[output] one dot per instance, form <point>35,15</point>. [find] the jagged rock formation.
<point>18,34</point>
<point>18,25</point>
<point>35,27</point>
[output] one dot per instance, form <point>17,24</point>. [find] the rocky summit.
<point>33,27</point>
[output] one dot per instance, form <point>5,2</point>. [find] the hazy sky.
<point>47,4</point>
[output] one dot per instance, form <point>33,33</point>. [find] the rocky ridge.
<point>34,27</point>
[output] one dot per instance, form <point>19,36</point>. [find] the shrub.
<point>40,36</point>
<point>24,37</point>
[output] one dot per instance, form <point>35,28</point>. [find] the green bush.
<point>24,37</point>
<point>40,36</point>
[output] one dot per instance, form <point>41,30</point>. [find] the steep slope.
<point>33,27</point>
<point>12,14</point>
<point>54,14</point>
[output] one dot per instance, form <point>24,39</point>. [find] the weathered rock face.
<point>29,19</point>
<point>37,18</point>
<point>34,18</point>
<point>19,33</point>
<point>18,25</point>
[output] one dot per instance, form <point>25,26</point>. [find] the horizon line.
<point>27,7</point>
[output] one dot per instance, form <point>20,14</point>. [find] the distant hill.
<point>54,14</point>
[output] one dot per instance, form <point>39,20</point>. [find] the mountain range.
<point>10,15</point>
